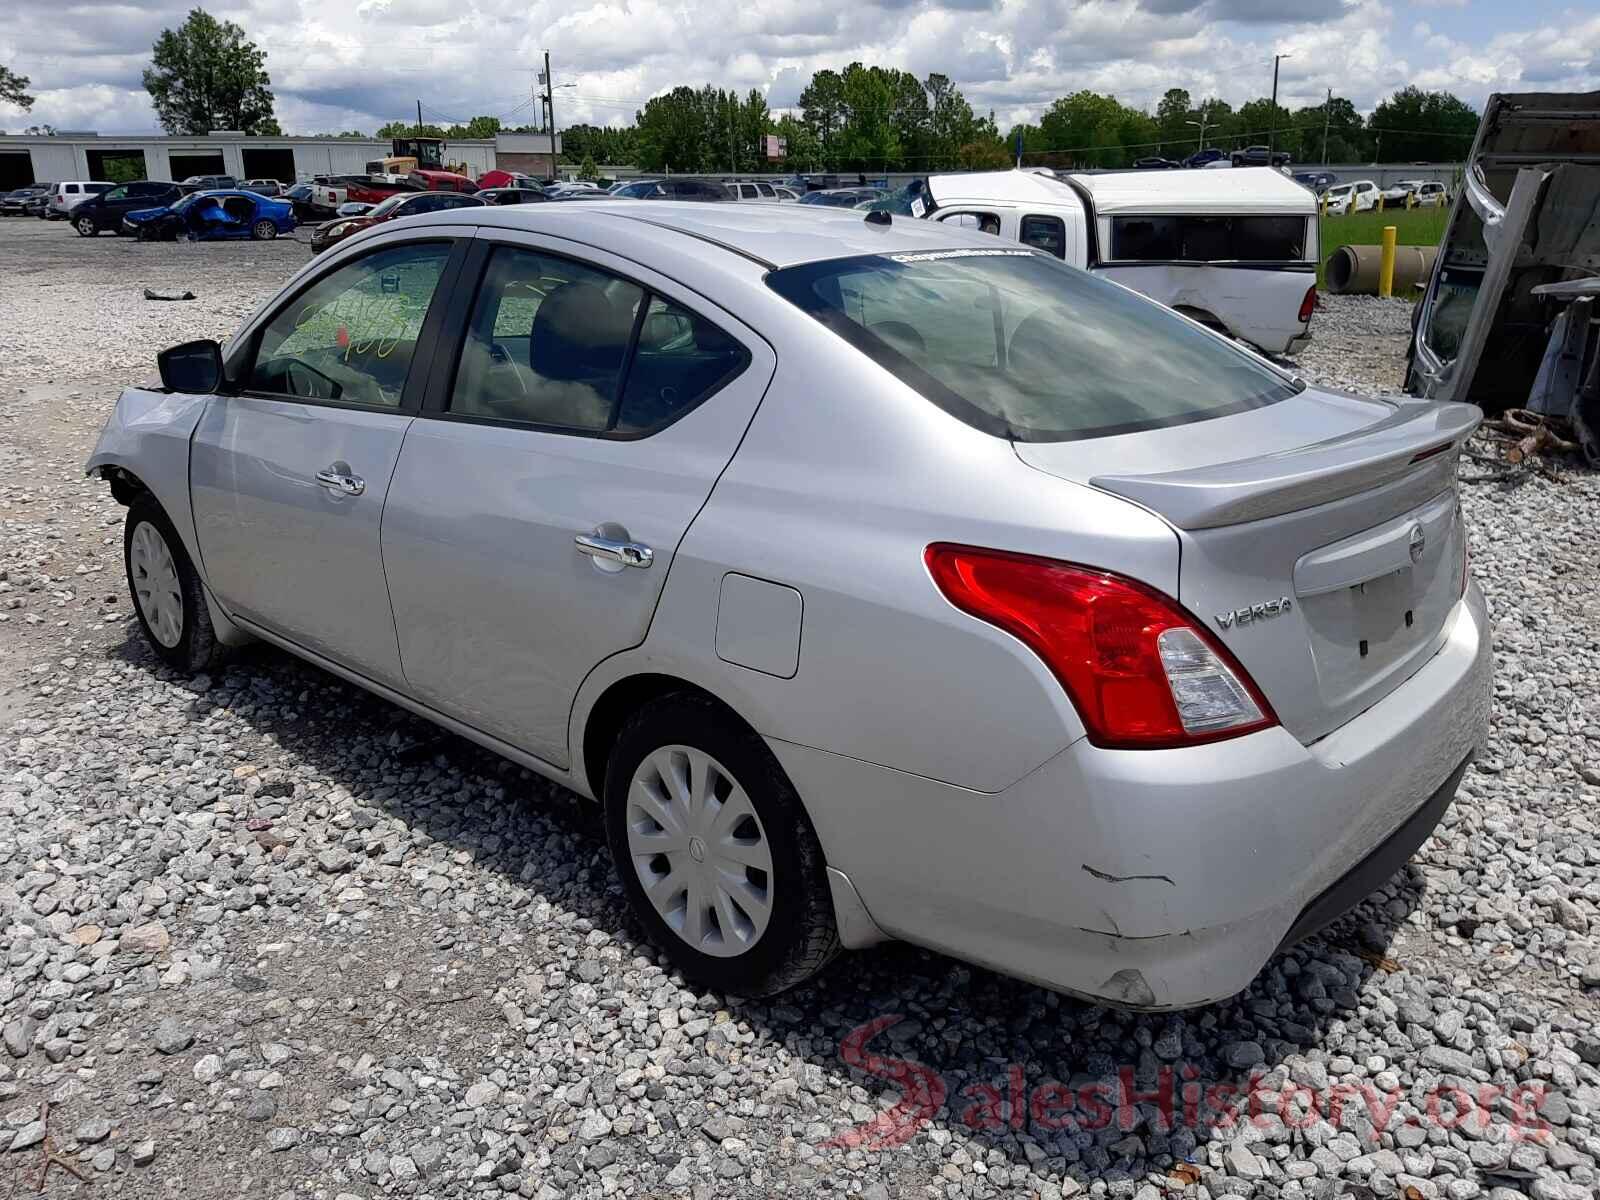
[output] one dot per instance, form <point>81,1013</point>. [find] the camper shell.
<point>1235,250</point>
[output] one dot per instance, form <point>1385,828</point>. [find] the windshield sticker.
<point>936,255</point>
<point>918,207</point>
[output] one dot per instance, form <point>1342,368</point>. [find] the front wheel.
<point>264,231</point>
<point>714,850</point>
<point>87,227</point>
<point>168,597</point>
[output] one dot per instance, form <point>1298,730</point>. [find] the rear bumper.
<point>1165,878</point>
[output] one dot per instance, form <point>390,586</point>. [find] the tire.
<point>264,231</point>
<point>86,227</point>
<point>172,611</point>
<point>754,956</point>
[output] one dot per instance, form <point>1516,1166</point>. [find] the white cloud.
<point>361,64</point>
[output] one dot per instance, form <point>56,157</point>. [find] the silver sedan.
<point>878,581</point>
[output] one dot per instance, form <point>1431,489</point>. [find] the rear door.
<point>539,499</point>
<point>288,477</point>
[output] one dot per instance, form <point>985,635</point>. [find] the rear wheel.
<point>714,850</point>
<point>167,594</point>
<point>264,231</point>
<point>87,227</point>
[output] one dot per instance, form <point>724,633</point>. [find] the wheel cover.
<point>699,851</point>
<point>85,226</point>
<point>154,576</point>
<point>265,230</point>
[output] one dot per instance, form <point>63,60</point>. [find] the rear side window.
<point>1045,233</point>
<point>1208,239</point>
<point>561,345</point>
<point>1021,346</point>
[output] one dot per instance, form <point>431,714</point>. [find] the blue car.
<point>201,216</point>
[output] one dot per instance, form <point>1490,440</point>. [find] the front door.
<point>288,479</point>
<point>591,400</point>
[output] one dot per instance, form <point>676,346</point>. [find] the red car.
<point>442,181</point>
<point>401,204</point>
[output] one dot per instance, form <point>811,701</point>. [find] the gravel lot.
<point>265,935</point>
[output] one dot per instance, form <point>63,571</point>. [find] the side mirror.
<point>194,368</point>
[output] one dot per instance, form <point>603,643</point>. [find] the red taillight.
<point>1309,304</point>
<point>1142,672</point>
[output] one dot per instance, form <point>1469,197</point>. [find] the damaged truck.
<point>1508,320</point>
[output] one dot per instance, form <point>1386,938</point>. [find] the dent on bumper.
<point>1149,879</point>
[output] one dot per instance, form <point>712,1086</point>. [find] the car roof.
<point>773,235</point>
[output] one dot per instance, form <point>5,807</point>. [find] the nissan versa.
<point>879,581</point>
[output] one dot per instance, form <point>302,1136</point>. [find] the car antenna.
<point>878,217</point>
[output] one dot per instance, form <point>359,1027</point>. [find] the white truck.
<point>1235,250</point>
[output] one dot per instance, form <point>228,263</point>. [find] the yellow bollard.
<point>1379,205</point>
<point>1386,264</point>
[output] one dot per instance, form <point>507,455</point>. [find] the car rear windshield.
<point>1022,346</point>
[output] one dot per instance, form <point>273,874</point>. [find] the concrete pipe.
<point>1353,270</point>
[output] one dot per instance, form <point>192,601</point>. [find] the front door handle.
<point>629,554</point>
<point>339,481</point>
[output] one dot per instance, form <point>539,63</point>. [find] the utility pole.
<point>1327,111</point>
<point>1202,124</point>
<point>419,118</point>
<point>550,103</point>
<point>1272,128</point>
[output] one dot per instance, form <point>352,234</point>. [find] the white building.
<point>26,159</point>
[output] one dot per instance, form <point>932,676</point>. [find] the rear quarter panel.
<point>843,480</point>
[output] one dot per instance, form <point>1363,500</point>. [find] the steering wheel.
<point>305,380</point>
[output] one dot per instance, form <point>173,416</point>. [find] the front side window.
<point>562,345</point>
<point>1021,346</point>
<point>350,337</point>
<point>118,193</point>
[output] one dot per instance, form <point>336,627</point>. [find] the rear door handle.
<point>338,481</point>
<point>629,554</point>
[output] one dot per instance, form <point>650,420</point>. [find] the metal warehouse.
<point>27,159</point>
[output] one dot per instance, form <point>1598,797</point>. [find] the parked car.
<point>263,187</point>
<point>676,187</point>
<point>203,216</point>
<point>1395,194</point>
<point>62,198</point>
<point>1317,181</point>
<point>203,183</point>
<point>104,211</point>
<point>1259,156</point>
<point>353,208</point>
<point>403,204</point>
<point>15,202</point>
<point>1345,198</point>
<point>1201,158</point>
<point>931,680</point>
<point>1155,163</point>
<point>441,181</point>
<point>578,194</point>
<point>1431,195</point>
<point>842,197</point>
<point>38,205</point>
<point>756,192</point>
<point>512,195</point>
<point>516,179</point>
<point>1252,230</point>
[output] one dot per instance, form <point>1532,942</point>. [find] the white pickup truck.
<point>1235,250</point>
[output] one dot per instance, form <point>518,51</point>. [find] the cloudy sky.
<point>357,63</point>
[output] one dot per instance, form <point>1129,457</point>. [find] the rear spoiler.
<point>1273,484</point>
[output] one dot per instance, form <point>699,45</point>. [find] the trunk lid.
<point>1320,537</point>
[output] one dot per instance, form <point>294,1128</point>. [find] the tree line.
<point>207,75</point>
